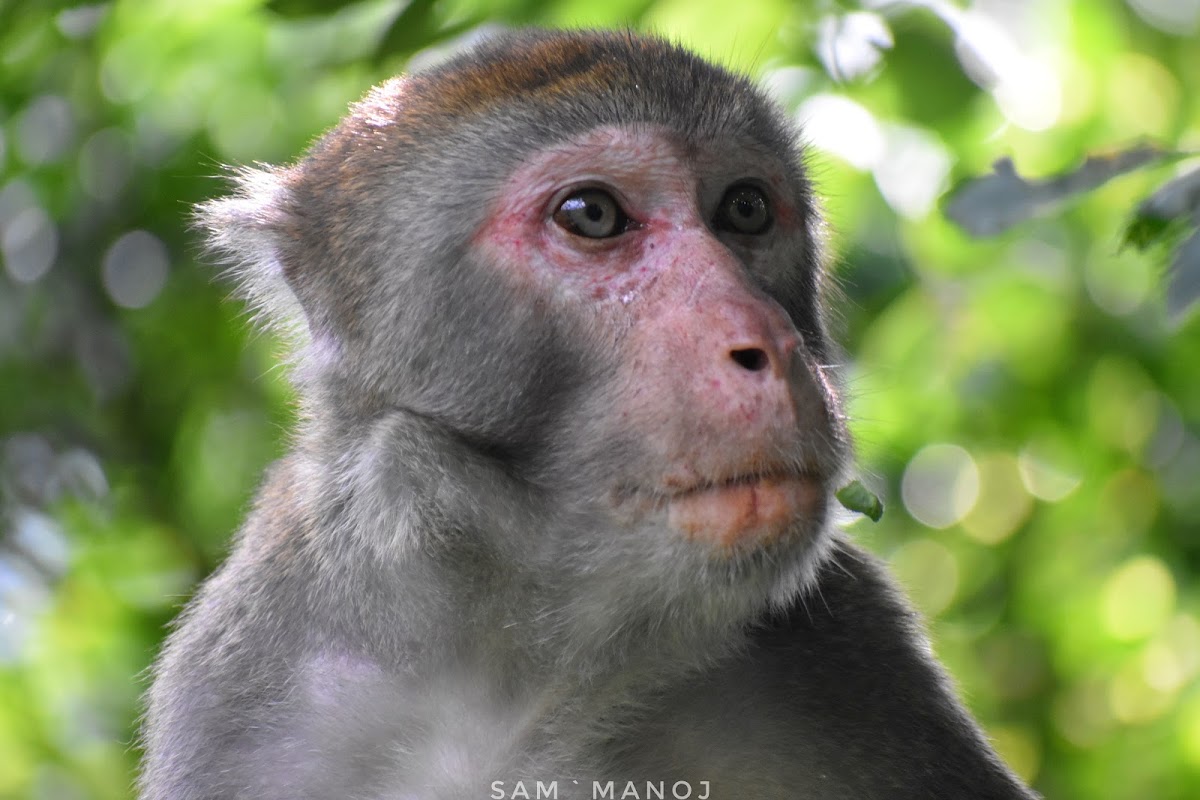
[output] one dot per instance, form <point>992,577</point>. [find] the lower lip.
<point>740,514</point>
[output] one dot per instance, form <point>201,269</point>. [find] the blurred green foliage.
<point>1024,404</point>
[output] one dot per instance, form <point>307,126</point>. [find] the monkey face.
<point>668,250</point>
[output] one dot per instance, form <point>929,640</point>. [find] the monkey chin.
<point>746,513</point>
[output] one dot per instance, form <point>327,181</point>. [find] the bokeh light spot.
<point>105,164</point>
<point>940,485</point>
<point>914,172</point>
<point>40,539</point>
<point>81,21</point>
<point>1026,88</point>
<point>849,45</point>
<point>840,126</point>
<point>45,130</point>
<point>1138,598</point>
<point>1030,94</point>
<point>135,269</point>
<point>1133,700</point>
<point>29,245</point>
<point>1147,93</point>
<point>1003,503</point>
<point>1044,472</point>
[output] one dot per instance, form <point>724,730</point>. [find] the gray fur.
<point>430,595</point>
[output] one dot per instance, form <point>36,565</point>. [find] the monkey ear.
<point>247,232</point>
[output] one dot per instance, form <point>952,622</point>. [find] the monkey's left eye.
<point>744,209</point>
<point>592,213</point>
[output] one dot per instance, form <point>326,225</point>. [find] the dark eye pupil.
<point>594,212</point>
<point>744,210</point>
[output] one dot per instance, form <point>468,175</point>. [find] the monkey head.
<point>592,259</point>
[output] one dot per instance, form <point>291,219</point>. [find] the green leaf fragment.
<point>861,500</point>
<point>1146,230</point>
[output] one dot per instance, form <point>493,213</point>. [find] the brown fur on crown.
<point>555,68</point>
<point>586,77</point>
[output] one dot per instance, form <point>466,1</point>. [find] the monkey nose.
<point>769,355</point>
<point>754,359</point>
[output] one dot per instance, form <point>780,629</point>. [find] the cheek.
<point>615,281</point>
<point>530,252</point>
<point>646,274</point>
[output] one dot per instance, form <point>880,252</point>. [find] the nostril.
<point>751,358</point>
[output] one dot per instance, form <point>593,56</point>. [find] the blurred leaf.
<point>1163,219</point>
<point>1158,216</point>
<point>924,70</point>
<point>412,29</point>
<point>861,500</point>
<point>420,26</point>
<point>992,204</point>
<point>1175,198</point>
<point>1145,230</point>
<point>1183,290</point>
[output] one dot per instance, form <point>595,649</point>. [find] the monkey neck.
<point>445,562</point>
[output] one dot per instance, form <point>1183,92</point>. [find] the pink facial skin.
<point>714,378</point>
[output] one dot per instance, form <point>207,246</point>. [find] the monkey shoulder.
<point>836,696</point>
<point>225,684</point>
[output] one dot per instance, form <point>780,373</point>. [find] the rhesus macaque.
<point>558,507</point>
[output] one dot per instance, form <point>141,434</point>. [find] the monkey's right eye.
<point>592,213</point>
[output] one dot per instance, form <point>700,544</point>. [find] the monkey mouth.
<point>746,510</point>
